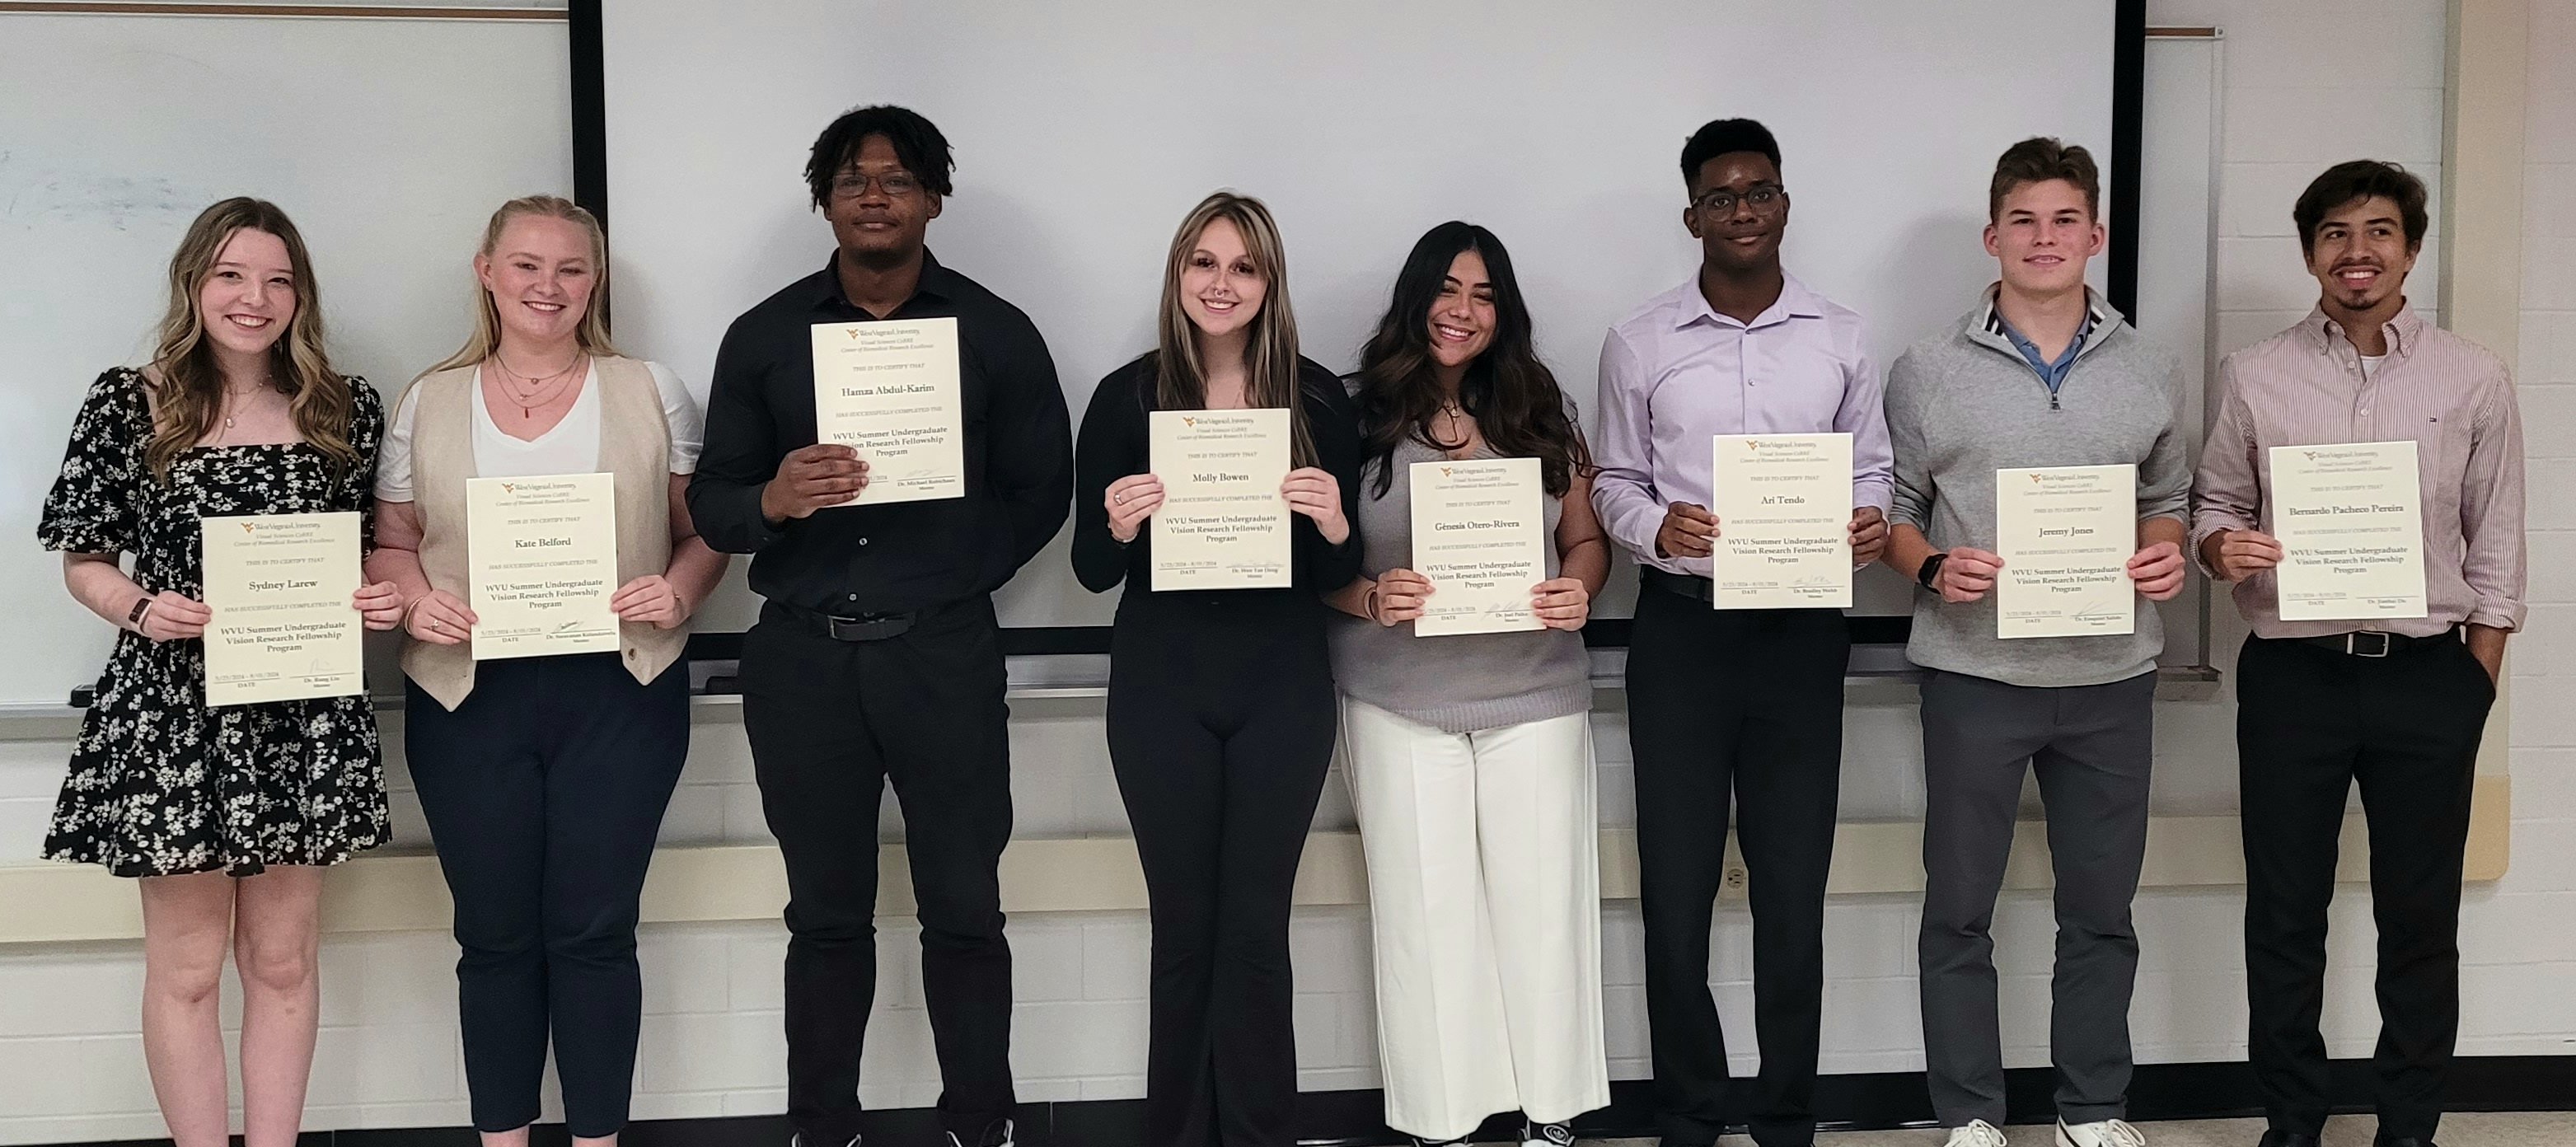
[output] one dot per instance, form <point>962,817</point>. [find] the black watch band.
<point>1931,571</point>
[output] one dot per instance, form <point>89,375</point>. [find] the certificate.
<point>284,626</point>
<point>2066,534</point>
<point>1480,536</point>
<point>890,391</point>
<point>541,554</point>
<point>1783,506</point>
<point>2351,529</point>
<point>1223,523</point>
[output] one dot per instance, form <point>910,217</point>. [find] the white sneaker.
<point>1978,1133</point>
<point>2107,1133</point>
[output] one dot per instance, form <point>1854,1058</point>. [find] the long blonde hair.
<point>1180,380</point>
<point>592,334</point>
<point>188,387</point>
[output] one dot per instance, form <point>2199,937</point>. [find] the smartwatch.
<point>1930,575</point>
<point>134,616</point>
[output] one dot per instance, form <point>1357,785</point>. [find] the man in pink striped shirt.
<point>2395,704</point>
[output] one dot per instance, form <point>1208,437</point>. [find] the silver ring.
<point>1120,498</point>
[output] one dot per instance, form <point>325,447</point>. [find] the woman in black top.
<point>1221,713</point>
<point>226,814</point>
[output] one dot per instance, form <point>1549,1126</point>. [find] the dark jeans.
<point>831,722</point>
<point>544,792</point>
<point>1735,710</point>
<point>2092,747</point>
<point>1220,734</point>
<point>2310,723</point>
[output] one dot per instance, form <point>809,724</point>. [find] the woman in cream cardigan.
<point>544,778</point>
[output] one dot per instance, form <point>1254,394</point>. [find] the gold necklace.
<point>229,395</point>
<point>541,391</point>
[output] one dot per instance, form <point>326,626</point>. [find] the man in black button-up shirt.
<point>877,656</point>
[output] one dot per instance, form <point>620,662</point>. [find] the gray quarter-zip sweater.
<point>1963,404</point>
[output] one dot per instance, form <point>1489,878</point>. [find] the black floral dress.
<point>160,784</point>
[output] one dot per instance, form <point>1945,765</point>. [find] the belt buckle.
<point>2352,644</point>
<point>866,627</point>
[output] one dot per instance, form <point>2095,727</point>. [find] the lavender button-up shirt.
<point>2306,387</point>
<point>1676,372</point>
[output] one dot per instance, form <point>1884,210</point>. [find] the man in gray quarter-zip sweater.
<point>2041,373</point>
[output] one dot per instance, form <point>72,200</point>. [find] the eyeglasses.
<point>896,185</point>
<point>1760,196</point>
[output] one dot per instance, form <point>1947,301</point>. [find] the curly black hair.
<point>917,143</point>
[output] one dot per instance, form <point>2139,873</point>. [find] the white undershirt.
<point>2370,365</point>
<point>571,447</point>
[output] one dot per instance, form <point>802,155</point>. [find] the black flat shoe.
<point>2409,1141</point>
<point>2291,1139</point>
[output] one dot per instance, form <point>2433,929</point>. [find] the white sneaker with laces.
<point>1978,1133</point>
<point>2107,1133</point>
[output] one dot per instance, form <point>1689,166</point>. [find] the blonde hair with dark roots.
<point>187,386</point>
<point>1180,379</point>
<point>592,334</point>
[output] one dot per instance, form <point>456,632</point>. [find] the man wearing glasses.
<point>876,657</point>
<point>1742,709</point>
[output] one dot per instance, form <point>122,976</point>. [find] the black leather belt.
<point>2375,644</point>
<point>841,627</point>
<point>1696,588</point>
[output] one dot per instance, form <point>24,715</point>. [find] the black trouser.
<point>1740,708</point>
<point>544,792</point>
<point>831,722</point>
<point>2310,722</point>
<point>1221,726</point>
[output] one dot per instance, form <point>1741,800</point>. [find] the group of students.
<point>876,660</point>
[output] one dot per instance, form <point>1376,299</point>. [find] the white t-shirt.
<point>572,447</point>
<point>2370,364</point>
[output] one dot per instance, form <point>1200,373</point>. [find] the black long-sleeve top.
<point>1114,444</point>
<point>905,555</point>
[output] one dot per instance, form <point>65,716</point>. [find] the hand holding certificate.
<point>1783,505</point>
<point>541,558</point>
<point>1480,537</point>
<point>283,625</point>
<point>2066,534</point>
<point>2351,530</point>
<point>1223,523</point>
<point>890,391</point>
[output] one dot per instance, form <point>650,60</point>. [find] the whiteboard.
<point>387,141</point>
<point>1084,131</point>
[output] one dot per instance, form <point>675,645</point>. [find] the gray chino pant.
<point>2091,746</point>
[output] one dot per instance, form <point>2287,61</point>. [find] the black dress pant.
<point>1742,711</point>
<point>2310,723</point>
<point>831,722</point>
<point>1221,727</point>
<point>544,792</point>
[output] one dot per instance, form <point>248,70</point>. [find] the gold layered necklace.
<point>531,393</point>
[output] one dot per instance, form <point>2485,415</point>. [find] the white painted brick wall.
<point>71,1066</point>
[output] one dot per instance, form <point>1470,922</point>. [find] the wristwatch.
<point>1930,574</point>
<point>134,616</point>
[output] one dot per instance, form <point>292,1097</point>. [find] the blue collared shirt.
<point>2052,373</point>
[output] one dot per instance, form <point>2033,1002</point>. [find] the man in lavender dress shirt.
<point>2396,705</point>
<point>1735,709</point>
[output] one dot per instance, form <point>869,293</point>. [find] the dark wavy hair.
<point>917,145</point>
<point>1511,394</point>
<point>2353,181</point>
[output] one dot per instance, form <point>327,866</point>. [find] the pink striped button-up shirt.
<point>2307,387</point>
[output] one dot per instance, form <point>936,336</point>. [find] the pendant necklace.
<point>528,392</point>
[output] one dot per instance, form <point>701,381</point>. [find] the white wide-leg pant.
<point>1485,901</point>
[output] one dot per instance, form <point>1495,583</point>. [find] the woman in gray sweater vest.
<point>1470,756</point>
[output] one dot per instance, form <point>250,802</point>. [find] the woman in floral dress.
<point>226,815</point>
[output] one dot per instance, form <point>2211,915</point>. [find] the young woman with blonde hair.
<point>1220,701</point>
<point>228,815</point>
<point>544,779</point>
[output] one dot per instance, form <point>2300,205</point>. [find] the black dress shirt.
<point>901,556</point>
<point>1115,444</point>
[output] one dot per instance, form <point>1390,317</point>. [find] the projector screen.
<point>1084,131</point>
